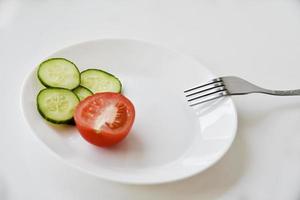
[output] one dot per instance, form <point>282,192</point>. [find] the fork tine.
<point>221,89</point>
<point>219,95</point>
<point>216,85</point>
<point>216,96</point>
<point>216,80</point>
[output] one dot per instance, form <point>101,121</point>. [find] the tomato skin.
<point>106,137</point>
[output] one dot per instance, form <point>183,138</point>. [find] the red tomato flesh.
<point>104,119</point>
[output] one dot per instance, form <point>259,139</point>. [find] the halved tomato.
<point>104,119</point>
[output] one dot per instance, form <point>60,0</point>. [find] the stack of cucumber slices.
<point>66,86</point>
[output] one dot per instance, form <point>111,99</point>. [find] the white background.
<point>258,40</point>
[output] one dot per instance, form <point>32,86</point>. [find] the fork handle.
<point>281,92</point>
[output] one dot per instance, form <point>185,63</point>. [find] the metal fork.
<point>226,86</point>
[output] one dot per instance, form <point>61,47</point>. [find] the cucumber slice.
<point>82,92</point>
<point>60,73</point>
<point>100,81</point>
<point>57,105</point>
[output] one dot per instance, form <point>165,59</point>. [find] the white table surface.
<point>258,40</point>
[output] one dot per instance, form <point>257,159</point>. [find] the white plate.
<point>169,140</point>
